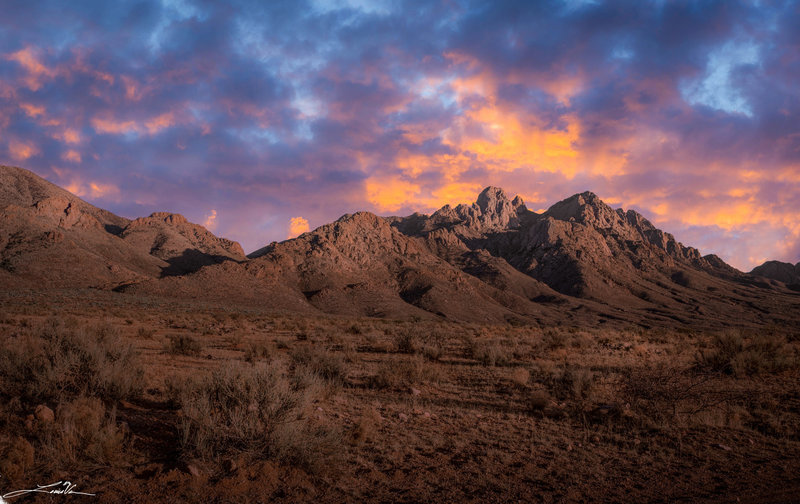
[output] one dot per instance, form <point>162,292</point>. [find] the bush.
<point>665,395</point>
<point>257,350</point>
<point>251,409</point>
<point>572,382</point>
<point>58,360</point>
<point>181,344</point>
<point>731,353</point>
<point>537,400</point>
<point>324,363</point>
<point>491,353</point>
<point>403,374</point>
<point>85,432</point>
<point>406,341</point>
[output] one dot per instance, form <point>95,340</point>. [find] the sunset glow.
<point>686,112</point>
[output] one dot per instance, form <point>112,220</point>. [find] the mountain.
<point>580,262</point>
<point>51,238</point>
<point>186,247</point>
<point>360,265</point>
<point>780,271</point>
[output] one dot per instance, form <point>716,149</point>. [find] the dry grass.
<point>85,433</point>
<point>182,344</point>
<point>733,353</point>
<point>59,359</point>
<point>255,410</point>
<point>320,361</point>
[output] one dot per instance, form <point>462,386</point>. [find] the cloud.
<point>21,150</point>
<point>211,220</point>
<point>685,112</point>
<point>297,226</point>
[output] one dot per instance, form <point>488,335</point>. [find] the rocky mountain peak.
<point>496,210</point>
<point>585,208</point>
<point>169,218</point>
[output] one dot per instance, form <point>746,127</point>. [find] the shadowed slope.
<point>51,238</point>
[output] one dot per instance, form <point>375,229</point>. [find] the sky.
<point>262,120</point>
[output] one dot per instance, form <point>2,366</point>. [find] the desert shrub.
<point>731,353</point>
<point>491,353</point>
<point>84,432</point>
<point>16,457</point>
<point>536,400</point>
<point>257,350</point>
<point>407,341</point>
<point>520,377</point>
<point>665,395</point>
<point>367,426</point>
<point>554,338</point>
<point>53,361</point>
<point>145,332</point>
<point>571,382</point>
<point>432,350</point>
<point>403,374</point>
<point>182,344</point>
<point>321,361</point>
<point>250,409</point>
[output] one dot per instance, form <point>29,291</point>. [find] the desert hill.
<point>51,238</point>
<point>781,271</point>
<point>579,262</point>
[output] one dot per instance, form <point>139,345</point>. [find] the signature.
<point>58,488</point>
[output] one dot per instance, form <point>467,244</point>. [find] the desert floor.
<point>148,400</point>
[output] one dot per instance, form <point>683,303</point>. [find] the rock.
<point>44,414</point>
<point>403,417</point>
<point>194,470</point>
<point>415,392</point>
<point>230,465</point>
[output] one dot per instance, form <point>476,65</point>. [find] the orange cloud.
<point>297,226</point>
<point>112,126</point>
<point>67,135</point>
<point>210,222</point>
<point>31,110</point>
<point>22,150</point>
<point>390,194</point>
<point>159,123</point>
<point>133,90</point>
<point>37,72</point>
<point>71,155</point>
<point>151,126</point>
<point>90,189</point>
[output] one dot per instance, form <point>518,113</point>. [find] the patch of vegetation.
<point>255,410</point>
<point>182,344</point>
<point>734,354</point>
<point>61,359</point>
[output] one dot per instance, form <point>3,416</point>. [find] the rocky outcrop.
<point>51,238</point>
<point>780,271</point>
<point>185,246</point>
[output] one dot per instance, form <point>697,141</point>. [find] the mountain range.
<point>580,262</point>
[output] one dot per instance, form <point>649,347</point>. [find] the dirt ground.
<point>386,411</point>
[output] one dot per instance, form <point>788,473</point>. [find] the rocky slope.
<point>51,238</point>
<point>783,272</point>
<point>186,247</point>
<point>580,262</point>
